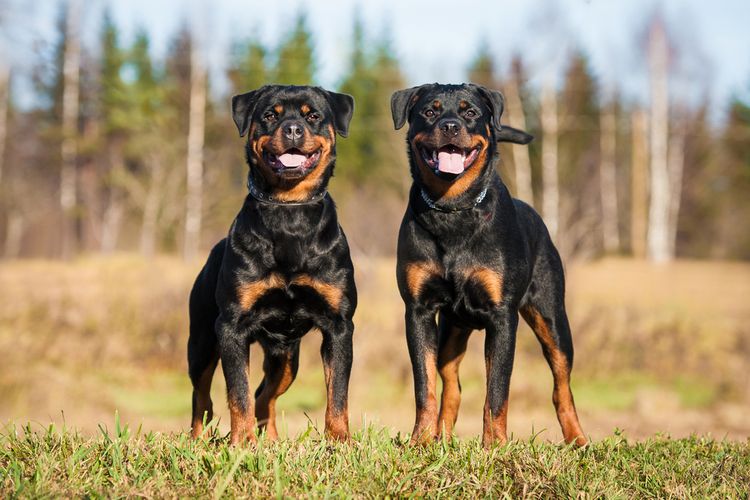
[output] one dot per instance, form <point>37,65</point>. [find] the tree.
<point>115,125</point>
<point>550,179</point>
<point>71,69</point>
<point>658,219</point>
<point>517,118</point>
<point>580,208</point>
<point>194,164</point>
<point>608,174</point>
<point>248,67</point>
<point>295,63</point>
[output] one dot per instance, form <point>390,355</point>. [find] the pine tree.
<point>295,63</point>
<point>248,68</point>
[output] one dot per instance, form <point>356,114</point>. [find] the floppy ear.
<point>514,135</point>
<point>401,103</point>
<point>503,133</point>
<point>243,106</point>
<point>343,110</point>
<point>495,101</point>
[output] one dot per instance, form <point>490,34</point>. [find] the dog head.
<point>292,135</point>
<point>453,131</point>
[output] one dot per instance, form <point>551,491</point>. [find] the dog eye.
<point>312,117</point>
<point>470,113</point>
<point>269,116</point>
<point>429,113</point>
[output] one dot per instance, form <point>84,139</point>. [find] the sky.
<point>435,40</point>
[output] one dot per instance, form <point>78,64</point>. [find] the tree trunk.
<point>676,164</point>
<point>639,187</point>
<point>151,208</point>
<point>13,234</point>
<point>196,132</point>
<point>550,182</point>
<point>658,218</point>
<point>608,178</point>
<point>520,155</point>
<point>112,219</point>
<point>71,68</point>
<point>4,98</point>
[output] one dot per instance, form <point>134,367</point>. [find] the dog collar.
<point>434,206</point>
<point>267,198</point>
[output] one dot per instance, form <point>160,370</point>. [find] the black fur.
<point>474,257</point>
<point>284,267</point>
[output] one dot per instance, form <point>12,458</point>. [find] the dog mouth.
<point>291,162</point>
<point>449,160</point>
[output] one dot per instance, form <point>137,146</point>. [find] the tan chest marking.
<point>490,280</point>
<point>332,294</point>
<point>417,273</point>
<point>249,293</point>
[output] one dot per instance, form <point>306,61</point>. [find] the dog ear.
<point>401,103</point>
<point>495,101</point>
<point>342,106</point>
<point>243,106</point>
<point>514,135</point>
<point>503,133</point>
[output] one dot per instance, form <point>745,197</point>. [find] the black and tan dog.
<point>474,257</point>
<point>284,268</point>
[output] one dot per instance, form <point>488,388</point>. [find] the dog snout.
<point>293,130</point>
<point>449,127</point>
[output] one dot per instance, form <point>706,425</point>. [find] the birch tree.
<point>71,69</point>
<point>639,183</point>
<point>658,219</point>
<point>196,135</point>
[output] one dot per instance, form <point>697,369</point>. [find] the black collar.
<point>435,206</point>
<point>267,198</point>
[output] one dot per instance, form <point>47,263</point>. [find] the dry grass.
<point>657,350</point>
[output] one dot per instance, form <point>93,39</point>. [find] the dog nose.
<point>450,127</point>
<point>293,130</point>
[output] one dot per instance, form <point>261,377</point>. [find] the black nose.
<point>449,127</point>
<point>293,130</point>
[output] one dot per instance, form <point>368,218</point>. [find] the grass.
<point>122,463</point>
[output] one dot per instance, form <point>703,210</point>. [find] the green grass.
<point>122,463</point>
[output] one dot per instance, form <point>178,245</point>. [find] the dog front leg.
<point>336,352</point>
<point>499,350</point>
<point>421,337</point>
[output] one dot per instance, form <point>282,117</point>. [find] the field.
<point>661,381</point>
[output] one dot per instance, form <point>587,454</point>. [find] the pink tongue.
<point>452,163</point>
<point>292,160</point>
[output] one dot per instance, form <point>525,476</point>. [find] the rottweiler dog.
<point>284,268</point>
<point>473,257</point>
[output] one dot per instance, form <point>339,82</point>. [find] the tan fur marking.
<point>417,273</point>
<point>304,109</point>
<point>336,422</point>
<point>449,359</point>
<point>562,396</point>
<point>265,405</point>
<point>304,188</point>
<point>249,293</point>
<point>278,108</point>
<point>241,423</point>
<point>495,426</point>
<point>330,293</point>
<point>425,427</point>
<point>490,280</point>
<point>203,403</point>
<point>444,189</point>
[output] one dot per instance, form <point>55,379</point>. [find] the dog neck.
<point>264,196</point>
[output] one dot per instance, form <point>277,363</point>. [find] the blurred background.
<point>120,167</point>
